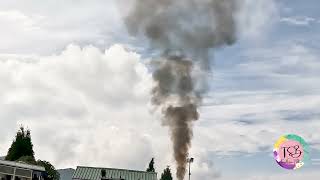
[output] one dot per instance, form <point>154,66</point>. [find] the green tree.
<point>21,150</point>
<point>21,146</point>
<point>53,174</point>
<point>166,175</point>
<point>151,166</point>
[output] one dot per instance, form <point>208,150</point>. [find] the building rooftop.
<point>22,165</point>
<point>94,173</point>
<point>66,174</point>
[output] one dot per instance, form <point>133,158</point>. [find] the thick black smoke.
<point>185,31</point>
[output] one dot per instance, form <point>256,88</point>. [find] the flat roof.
<point>22,165</point>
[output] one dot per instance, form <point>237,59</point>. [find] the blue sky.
<point>264,68</point>
<point>78,73</point>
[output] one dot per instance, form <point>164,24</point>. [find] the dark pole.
<point>190,160</point>
<point>189,170</point>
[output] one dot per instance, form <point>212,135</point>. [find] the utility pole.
<point>190,160</point>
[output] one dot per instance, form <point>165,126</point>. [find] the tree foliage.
<point>151,166</point>
<point>166,175</point>
<point>53,174</point>
<point>21,150</point>
<point>21,146</point>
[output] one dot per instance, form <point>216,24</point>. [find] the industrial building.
<point>10,170</point>
<point>95,173</point>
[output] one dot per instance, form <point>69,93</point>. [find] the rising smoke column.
<point>184,31</point>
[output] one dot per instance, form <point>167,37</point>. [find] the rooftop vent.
<point>103,173</point>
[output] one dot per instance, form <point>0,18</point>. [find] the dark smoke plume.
<point>185,31</point>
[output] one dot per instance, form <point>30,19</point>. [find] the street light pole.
<point>190,160</point>
<point>189,171</point>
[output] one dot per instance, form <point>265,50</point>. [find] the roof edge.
<point>116,169</point>
<point>22,165</point>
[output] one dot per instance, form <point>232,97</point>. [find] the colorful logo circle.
<point>291,151</point>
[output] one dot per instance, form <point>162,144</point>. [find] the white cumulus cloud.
<point>87,107</point>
